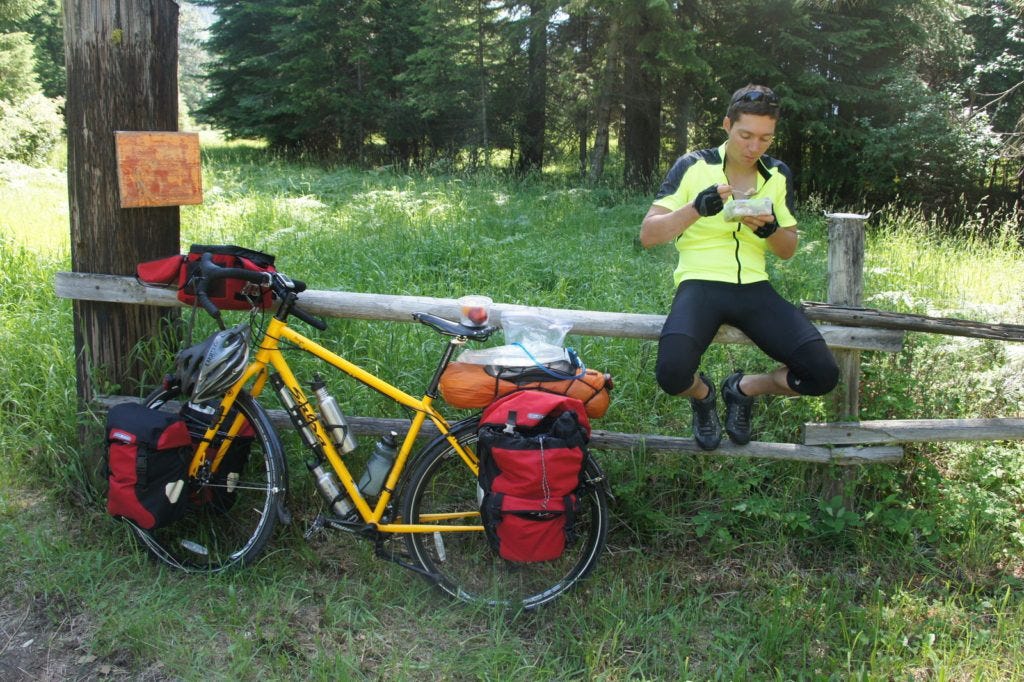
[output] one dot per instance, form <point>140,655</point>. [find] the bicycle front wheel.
<point>232,512</point>
<point>462,563</point>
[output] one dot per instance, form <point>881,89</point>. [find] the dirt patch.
<point>46,638</point>
<point>50,635</point>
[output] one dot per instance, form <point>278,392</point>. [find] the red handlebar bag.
<point>226,294</point>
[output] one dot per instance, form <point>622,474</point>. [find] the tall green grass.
<point>917,264</point>
<point>35,208</point>
<point>717,568</point>
<point>37,401</point>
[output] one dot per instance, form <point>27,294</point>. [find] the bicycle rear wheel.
<point>463,563</point>
<point>232,512</point>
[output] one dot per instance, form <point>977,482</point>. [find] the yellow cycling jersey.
<point>713,249</point>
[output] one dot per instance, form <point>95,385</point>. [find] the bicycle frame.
<point>269,355</point>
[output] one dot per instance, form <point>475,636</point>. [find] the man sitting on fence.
<point>721,275</point>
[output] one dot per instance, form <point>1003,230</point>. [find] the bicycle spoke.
<point>230,516</point>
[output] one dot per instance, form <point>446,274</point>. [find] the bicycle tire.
<point>463,564</point>
<point>232,514</point>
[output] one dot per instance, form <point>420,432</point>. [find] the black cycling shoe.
<point>707,429</point>
<point>737,409</point>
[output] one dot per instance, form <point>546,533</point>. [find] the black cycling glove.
<point>768,229</point>
<point>708,202</point>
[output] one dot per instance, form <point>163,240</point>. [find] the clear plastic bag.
<point>747,207</point>
<point>515,356</point>
<point>533,329</point>
<point>527,334</point>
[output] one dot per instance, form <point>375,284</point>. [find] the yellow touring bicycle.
<point>238,479</point>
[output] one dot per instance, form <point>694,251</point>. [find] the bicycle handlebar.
<point>278,283</point>
<point>281,285</point>
<point>309,318</point>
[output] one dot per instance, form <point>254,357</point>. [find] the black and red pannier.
<point>148,454</point>
<point>532,451</point>
<point>226,294</point>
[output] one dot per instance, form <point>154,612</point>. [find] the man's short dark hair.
<point>758,100</point>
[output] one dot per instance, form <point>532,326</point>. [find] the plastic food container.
<point>746,207</point>
<point>475,311</point>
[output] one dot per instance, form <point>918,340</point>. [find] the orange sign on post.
<point>158,169</point>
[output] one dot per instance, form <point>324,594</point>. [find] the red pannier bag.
<point>521,532</point>
<point>148,453</point>
<point>532,450</point>
<point>226,294</point>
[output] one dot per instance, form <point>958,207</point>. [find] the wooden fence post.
<point>845,288</point>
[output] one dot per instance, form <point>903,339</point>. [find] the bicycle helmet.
<point>207,369</point>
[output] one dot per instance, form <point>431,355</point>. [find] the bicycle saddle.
<point>449,328</point>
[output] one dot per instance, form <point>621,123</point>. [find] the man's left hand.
<point>763,226</point>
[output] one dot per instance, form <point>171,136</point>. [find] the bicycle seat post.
<point>446,357</point>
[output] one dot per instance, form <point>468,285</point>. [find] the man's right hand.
<point>708,202</point>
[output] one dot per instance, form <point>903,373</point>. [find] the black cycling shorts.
<point>774,324</point>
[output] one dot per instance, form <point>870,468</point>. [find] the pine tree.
<point>245,98</point>
<point>451,79</point>
<point>17,68</point>
<point>46,26</point>
<point>533,122</point>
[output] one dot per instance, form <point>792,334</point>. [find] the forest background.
<point>909,101</point>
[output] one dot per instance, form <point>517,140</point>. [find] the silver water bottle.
<point>327,484</point>
<point>333,420</point>
<point>296,413</point>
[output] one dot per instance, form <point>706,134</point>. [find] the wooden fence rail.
<point>847,329</point>
<point>611,440</point>
<point>347,304</point>
<point>882,319</point>
<point>913,431</point>
<point>119,289</point>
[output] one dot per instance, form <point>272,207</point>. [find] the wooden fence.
<point>845,442</point>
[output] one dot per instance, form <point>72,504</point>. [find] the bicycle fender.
<point>284,515</point>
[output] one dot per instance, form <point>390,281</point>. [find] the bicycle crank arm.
<point>349,524</point>
<point>401,560</point>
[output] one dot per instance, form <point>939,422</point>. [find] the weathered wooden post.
<point>846,288</point>
<point>122,73</point>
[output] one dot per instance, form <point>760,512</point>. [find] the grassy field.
<point>717,568</point>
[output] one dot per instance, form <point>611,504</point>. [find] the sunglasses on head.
<point>769,98</point>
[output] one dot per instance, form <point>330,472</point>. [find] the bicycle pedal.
<point>319,523</point>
